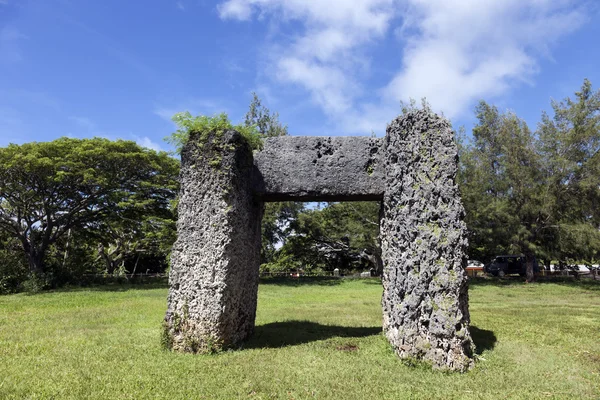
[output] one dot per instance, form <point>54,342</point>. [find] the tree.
<point>13,268</point>
<point>47,189</point>
<point>277,225</point>
<point>339,235</point>
<point>267,123</point>
<point>499,177</point>
<point>535,193</point>
<point>569,143</point>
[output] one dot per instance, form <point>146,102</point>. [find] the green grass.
<point>320,339</point>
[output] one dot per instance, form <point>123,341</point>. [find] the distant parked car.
<point>573,269</point>
<point>473,267</point>
<point>510,264</point>
<point>474,264</point>
<point>581,269</point>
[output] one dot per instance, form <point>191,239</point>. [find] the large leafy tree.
<point>339,235</point>
<point>48,189</point>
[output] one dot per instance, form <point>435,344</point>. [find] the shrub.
<point>13,272</point>
<point>206,125</point>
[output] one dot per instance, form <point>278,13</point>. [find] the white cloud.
<point>235,9</point>
<point>327,84</point>
<point>459,52</point>
<point>180,5</point>
<point>147,142</point>
<point>325,57</point>
<point>452,52</point>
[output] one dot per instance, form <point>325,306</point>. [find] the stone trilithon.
<point>215,260</point>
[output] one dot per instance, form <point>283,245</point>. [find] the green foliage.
<point>569,144</point>
<point>277,225</point>
<point>13,266</point>
<point>499,181</point>
<point>58,197</point>
<point>37,282</point>
<point>12,273</point>
<point>166,339</point>
<point>205,125</point>
<point>411,106</point>
<point>339,235</point>
<point>537,192</point>
<point>266,123</point>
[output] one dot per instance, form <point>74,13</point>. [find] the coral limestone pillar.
<point>214,265</point>
<point>425,304</point>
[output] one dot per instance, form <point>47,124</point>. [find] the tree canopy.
<point>49,188</point>
<point>535,192</point>
<point>97,205</point>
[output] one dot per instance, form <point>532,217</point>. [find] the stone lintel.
<point>312,168</point>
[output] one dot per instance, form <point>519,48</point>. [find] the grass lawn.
<point>314,339</point>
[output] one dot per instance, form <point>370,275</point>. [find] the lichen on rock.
<point>425,303</point>
<point>214,264</point>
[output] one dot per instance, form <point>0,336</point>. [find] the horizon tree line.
<point>70,207</point>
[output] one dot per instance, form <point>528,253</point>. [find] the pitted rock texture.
<point>309,168</point>
<point>425,301</point>
<point>214,264</point>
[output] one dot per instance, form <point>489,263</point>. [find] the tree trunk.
<point>66,249</point>
<point>34,258</point>
<point>529,270</point>
<point>375,260</point>
<point>378,262</point>
<point>113,259</point>
<point>35,261</point>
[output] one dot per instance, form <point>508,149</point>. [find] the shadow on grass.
<point>317,280</point>
<point>289,333</point>
<point>483,339</point>
<point>582,283</point>
<point>302,281</point>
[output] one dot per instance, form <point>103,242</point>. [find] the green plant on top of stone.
<point>205,125</point>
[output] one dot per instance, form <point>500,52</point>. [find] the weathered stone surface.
<point>214,264</point>
<point>425,304</point>
<point>309,168</point>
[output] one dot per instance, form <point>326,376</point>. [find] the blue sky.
<point>120,69</point>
